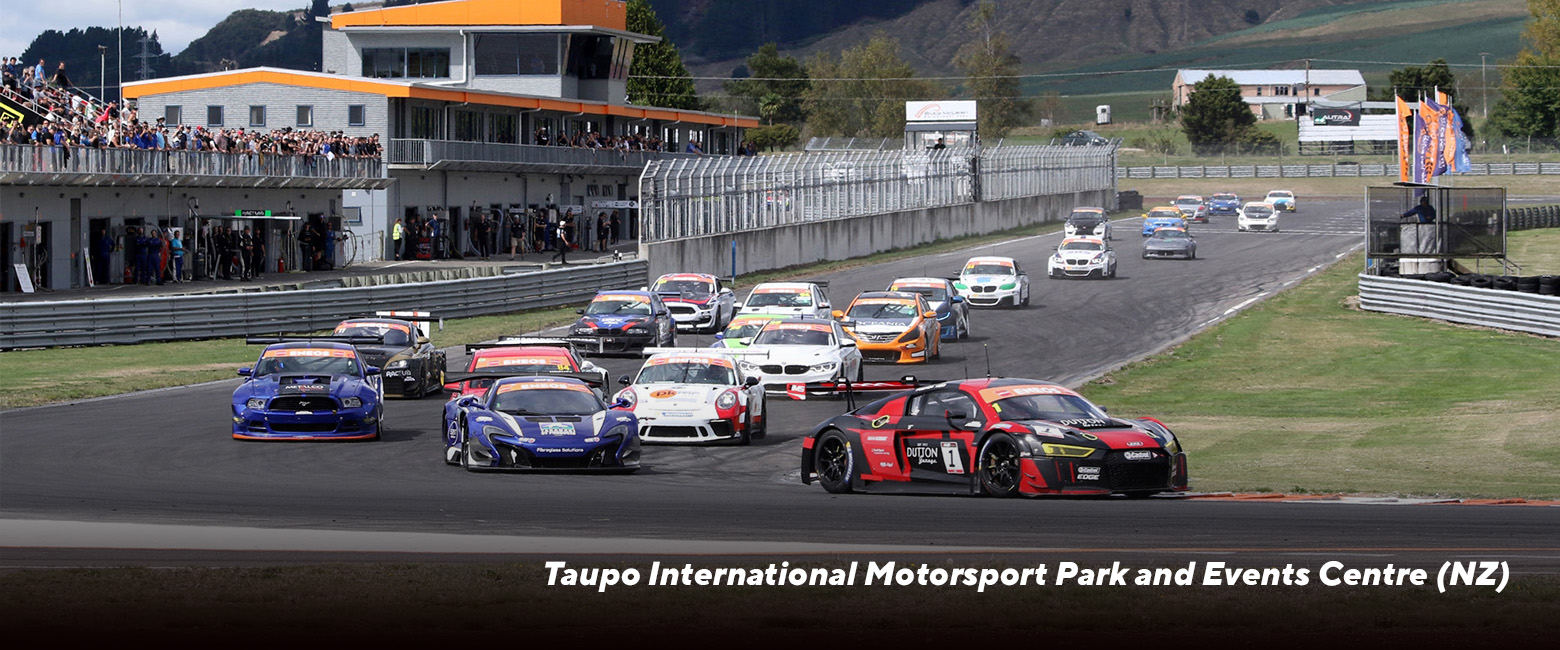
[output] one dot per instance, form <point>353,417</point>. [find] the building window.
<point>590,57</point>
<point>305,115</point>
<point>173,114</point>
<point>1259,91</point>
<point>213,116</point>
<point>468,126</point>
<point>1316,91</point>
<point>398,62</point>
<point>503,128</point>
<point>516,54</point>
<point>357,115</point>
<point>423,124</point>
<point>1280,90</point>
<point>256,116</point>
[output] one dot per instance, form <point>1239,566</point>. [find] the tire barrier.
<point>1526,304</point>
<point>1542,216</point>
<point>110,321</point>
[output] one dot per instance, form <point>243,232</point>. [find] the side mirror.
<point>246,371</point>
<point>452,387</point>
<point>580,312</point>
<point>750,381</point>
<point>1103,409</point>
<point>958,298</point>
<point>621,403</point>
<point>747,341</point>
<point>373,370</point>
<point>848,343</point>
<point>838,315</point>
<point>422,340</point>
<point>625,380</point>
<point>929,314</point>
<point>720,336</point>
<point>469,400</point>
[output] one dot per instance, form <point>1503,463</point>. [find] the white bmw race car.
<point>694,395</point>
<point>993,282</point>
<point>800,351</point>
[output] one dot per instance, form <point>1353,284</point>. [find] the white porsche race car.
<point>695,395</point>
<point>788,299</point>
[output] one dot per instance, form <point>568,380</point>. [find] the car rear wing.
<point>299,338</point>
<point>848,389</point>
<point>420,318</point>
<point>594,379</point>
<point>695,351</point>
<point>523,341</point>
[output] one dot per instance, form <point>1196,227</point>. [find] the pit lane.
<point>166,457</point>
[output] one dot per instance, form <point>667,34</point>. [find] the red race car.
<point>512,356</point>
<point>1001,437</point>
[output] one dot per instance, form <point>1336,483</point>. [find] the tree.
<point>1215,117</point>
<point>657,76</point>
<point>320,8</point>
<point>863,92</point>
<point>774,136</point>
<point>993,74</point>
<point>1050,105</point>
<point>1530,88</point>
<point>775,80</point>
<point>1416,82</point>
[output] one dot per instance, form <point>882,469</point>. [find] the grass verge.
<point>1349,188</point>
<point>35,377</point>
<point>1536,251</point>
<point>487,601</point>
<point>1306,393</point>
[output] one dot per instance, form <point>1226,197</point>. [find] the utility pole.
<point>1484,84</point>
<point>102,70</point>
<point>119,60</point>
<point>1307,89</point>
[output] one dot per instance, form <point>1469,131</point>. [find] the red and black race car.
<point>998,436</point>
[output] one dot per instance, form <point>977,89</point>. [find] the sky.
<point>177,22</point>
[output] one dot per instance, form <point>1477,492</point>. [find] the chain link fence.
<point>709,196</point>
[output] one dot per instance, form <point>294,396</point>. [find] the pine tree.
<point>657,76</point>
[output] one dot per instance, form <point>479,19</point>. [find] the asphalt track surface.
<point>166,458</point>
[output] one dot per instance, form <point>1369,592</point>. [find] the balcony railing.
<point>452,153</point>
<point>26,163</point>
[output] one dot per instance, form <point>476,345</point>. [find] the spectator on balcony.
<point>60,80</point>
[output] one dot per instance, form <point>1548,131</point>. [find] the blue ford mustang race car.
<point>308,390</point>
<point>552,422</point>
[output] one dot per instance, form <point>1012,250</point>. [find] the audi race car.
<point>623,322</point>
<point>999,437</point>
<point>1170,242</point>
<point>520,355</point>
<point>1224,203</point>
<point>1192,207</point>
<point>1087,222</point>
<point>693,396</point>
<point>893,326</point>
<point>802,350</point>
<point>550,422</point>
<point>953,313</point>
<point>302,389</point>
<point>788,299</point>
<point>1261,217</point>
<point>1282,200</point>
<point>742,329</point>
<point>411,365</point>
<point>697,301</point>
<point>1082,257</point>
<point>993,282</point>
<point>1162,217</point>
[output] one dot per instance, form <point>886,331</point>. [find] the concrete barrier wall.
<point>807,243</point>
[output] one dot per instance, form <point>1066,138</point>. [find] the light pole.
<point>1484,84</point>
<point>102,70</point>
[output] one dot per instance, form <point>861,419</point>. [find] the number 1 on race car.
<point>953,461</point>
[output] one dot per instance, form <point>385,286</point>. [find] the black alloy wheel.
<point>833,462</point>
<point>999,466</point>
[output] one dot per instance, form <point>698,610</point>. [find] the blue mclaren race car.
<point>308,390</point>
<point>551,422</point>
<point>1162,217</point>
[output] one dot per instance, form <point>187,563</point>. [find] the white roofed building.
<point>1273,94</point>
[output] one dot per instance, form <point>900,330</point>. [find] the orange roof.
<point>612,14</point>
<point>322,81</point>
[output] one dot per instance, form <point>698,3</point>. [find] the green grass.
<point>1305,390</point>
<point>484,602</point>
<point>35,377</point>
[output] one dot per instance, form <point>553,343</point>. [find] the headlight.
<point>1099,258</point>
<point>255,403</point>
<point>620,430</point>
<point>490,431</point>
<point>1010,285</point>
<point>582,330</point>
<point>351,403</point>
<point>638,330</point>
<point>945,315</point>
<point>402,363</point>
<point>824,367</point>
<point>909,336</point>
<point>1173,446</point>
<point>748,366</point>
<point>726,400</point>
<point>627,395</point>
<point>1065,451</point>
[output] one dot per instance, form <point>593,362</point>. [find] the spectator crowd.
<point>71,119</point>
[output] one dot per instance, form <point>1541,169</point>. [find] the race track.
<point>166,456</point>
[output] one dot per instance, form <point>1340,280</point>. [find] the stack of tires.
<point>1544,285</point>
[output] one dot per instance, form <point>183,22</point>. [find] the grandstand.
<point>427,113</point>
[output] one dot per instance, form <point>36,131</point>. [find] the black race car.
<point>1001,437</point>
<point>411,365</point>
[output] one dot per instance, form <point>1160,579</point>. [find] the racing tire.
<point>465,452</point>
<point>964,331</point>
<point>999,473</point>
<point>834,463</point>
<point>746,437</point>
<point>1026,298</point>
<point>1192,255</point>
<point>936,348</point>
<point>861,372</point>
